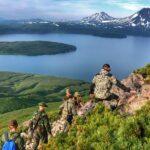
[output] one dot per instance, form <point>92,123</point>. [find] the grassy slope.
<point>19,91</point>
<point>24,114</point>
<point>102,129</point>
<point>34,48</point>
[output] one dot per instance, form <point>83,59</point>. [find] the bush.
<point>145,72</point>
<point>103,129</point>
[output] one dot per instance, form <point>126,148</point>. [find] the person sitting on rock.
<point>101,87</point>
<point>12,139</point>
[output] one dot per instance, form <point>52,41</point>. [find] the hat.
<point>13,123</point>
<point>76,94</point>
<point>43,104</point>
<point>106,65</point>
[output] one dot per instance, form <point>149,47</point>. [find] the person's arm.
<point>116,82</point>
<point>92,86</point>
<point>72,108</point>
<point>48,126</point>
<point>34,122</point>
<point>61,108</point>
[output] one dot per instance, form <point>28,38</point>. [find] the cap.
<point>106,65</point>
<point>43,104</point>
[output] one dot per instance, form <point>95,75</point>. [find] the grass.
<point>24,115</point>
<point>145,72</point>
<point>34,48</point>
<point>103,130</point>
<point>20,91</point>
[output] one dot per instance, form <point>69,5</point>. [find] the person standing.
<point>40,126</point>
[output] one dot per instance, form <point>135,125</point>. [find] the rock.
<point>131,102</point>
<point>86,108</point>
<point>58,126</point>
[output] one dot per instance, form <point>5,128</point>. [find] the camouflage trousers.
<point>111,102</point>
<point>38,138</point>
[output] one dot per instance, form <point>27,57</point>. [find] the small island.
<point>34,48</point>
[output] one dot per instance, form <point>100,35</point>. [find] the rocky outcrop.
<point>138,97</point>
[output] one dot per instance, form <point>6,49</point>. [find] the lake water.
<point>124,55</point>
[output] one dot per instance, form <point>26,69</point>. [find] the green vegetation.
<point>145,72</point>
<point>18,91</point>
<point>40,28</point>
<point>23,115</point>
<point>102,130</point>
<point>33,48</point>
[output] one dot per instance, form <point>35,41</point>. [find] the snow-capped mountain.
<point>139,19</point>
<point>34,21</point>
<point>98,24</point>
<point>97,18</point>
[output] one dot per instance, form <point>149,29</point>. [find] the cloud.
<point>45,8</point>
<point>132,5</point>
<point>66,9</point>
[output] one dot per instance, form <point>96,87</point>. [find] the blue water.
<point>124,55</point>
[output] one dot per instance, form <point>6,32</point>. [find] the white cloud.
<point>131,5</point>
<point>63,9</point>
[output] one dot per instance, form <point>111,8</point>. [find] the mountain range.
<point>139,19</point>
<point>98,24</point>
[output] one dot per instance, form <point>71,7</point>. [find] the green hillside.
<point>106,130</point>
<point>99,130</point>
<point>25,114</point>
<point>19,91</point>
<point>33,48</point>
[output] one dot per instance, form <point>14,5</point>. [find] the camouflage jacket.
<point>68,107</point>
<point>103,83</point>
<point>40,120</point>
<point>16,136</point>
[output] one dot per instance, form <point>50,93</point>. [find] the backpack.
<point>9,143</point>
<point>69,115</point>
<point>103,85</point>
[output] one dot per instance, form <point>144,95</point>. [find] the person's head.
<point>13,125</point>
<point>76,94</point>
<point>107,67</point>
<point>42,106</point>
<point>68,92</point>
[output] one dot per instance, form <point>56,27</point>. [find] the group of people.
<point>40,127</point>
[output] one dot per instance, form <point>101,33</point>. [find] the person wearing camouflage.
<point>68,107</point>
<point>13,134</point>
<point>101,87</point>
<point>40,127</point>
<point>67,111</point>
<point>78,100</point>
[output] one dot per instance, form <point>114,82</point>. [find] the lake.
<point>124,55</point>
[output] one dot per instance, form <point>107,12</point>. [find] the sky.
<point>68,9</point>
